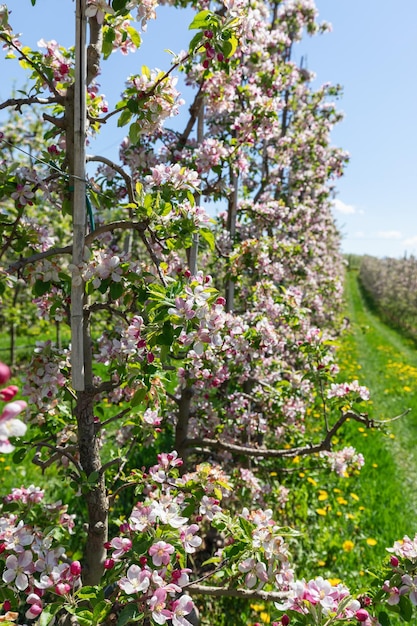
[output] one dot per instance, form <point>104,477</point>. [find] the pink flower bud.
<point>150,357</point>
<point>361,615</point>
<point>8,393</point>
<point>75,568</point>
<point>394,561</point>
<point>7,605</point>
<point>285,620</point>
<point>4,373</point>
<point>62,588</point>
<point>109,564</point>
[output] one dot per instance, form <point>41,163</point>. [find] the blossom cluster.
<point>34,565</point>
<point>10,425</point>
<point>343,461</point>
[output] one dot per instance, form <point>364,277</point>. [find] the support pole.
<point>79,190</point>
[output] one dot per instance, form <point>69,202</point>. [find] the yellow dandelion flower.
<point>406,388</point>
<point>371,542</point>
<point>334,581</point>
<point>338,513</point>
<point>350,516</point>
<point>361,508</point>
<point>265,617</point>
<point>348,545</point>
<point>392,436</point>
<point>323,495</point>
<point>301,475</point>
<point>336,490</point>
<point>354,497</point>
<point>374,464</point>
<point>312,481</point>
<point>321,563</point>
<point>321,511</point>
<point>257,607</point>
<point>361,429</point>
<point>341,500</point>
<point>273,474</point>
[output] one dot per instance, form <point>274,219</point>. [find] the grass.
<point>386,363</point>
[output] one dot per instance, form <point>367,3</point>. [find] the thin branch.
<point>309,449</point>
<point>59,452</point>
<point>123,225</point>
<point>17,103</point>
<point>35,66</point>
<point>220,592</point>
<point>118,169</point>
<point>114,418</point>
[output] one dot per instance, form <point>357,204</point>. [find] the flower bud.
<point>4,373</point>
<point>394,561</point>
<point>362,615</point>
<point>109,564</point>
<point>75,568</point>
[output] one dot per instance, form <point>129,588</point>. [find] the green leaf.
<point>406,609</point>
<point>40,287</point>
<point>19,455</point>
<point>116,290</point>
<point>384,619</point>
<point>119,5</point>
<point>139,396</point>
<point>48,613</point>
<point>134,132</point>
<point>229,47</point>
<point>108,38</point>
<point>195,42</point>
<point>201,20</point>
<point>124,117</point>
<point>101,610</point>
<point>93,478</point>
<point>129,614</point>
<point>208,236</point>
<point>134,36</point>
<point>84,617</point>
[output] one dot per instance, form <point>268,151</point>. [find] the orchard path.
<point>386,362</point>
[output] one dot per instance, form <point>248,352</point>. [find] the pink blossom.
<point>121,545</point>
<point>136,580</point>
<point>160,553</point>
<point>36,607</point>
<point>182,607</point>
<point>157,605</point>
<point>18,569</point>
<point>189,540</point>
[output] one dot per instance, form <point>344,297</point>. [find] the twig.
<point>309,449</point>
<point>118,169</point>
<point>218,592</point>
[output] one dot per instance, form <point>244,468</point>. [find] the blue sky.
<point>371,52</point>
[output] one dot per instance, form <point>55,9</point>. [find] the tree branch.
<point>220,592</point>
<point>118,169</point>
<point>309,449</point>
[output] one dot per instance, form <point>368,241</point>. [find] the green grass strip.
<point>386,363</point>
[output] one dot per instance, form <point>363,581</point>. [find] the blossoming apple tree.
<point>198,364</point>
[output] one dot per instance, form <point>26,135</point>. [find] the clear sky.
<point>371,52</point>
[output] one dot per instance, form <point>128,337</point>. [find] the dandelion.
<point>371,542</point>
<point>348,545</point>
